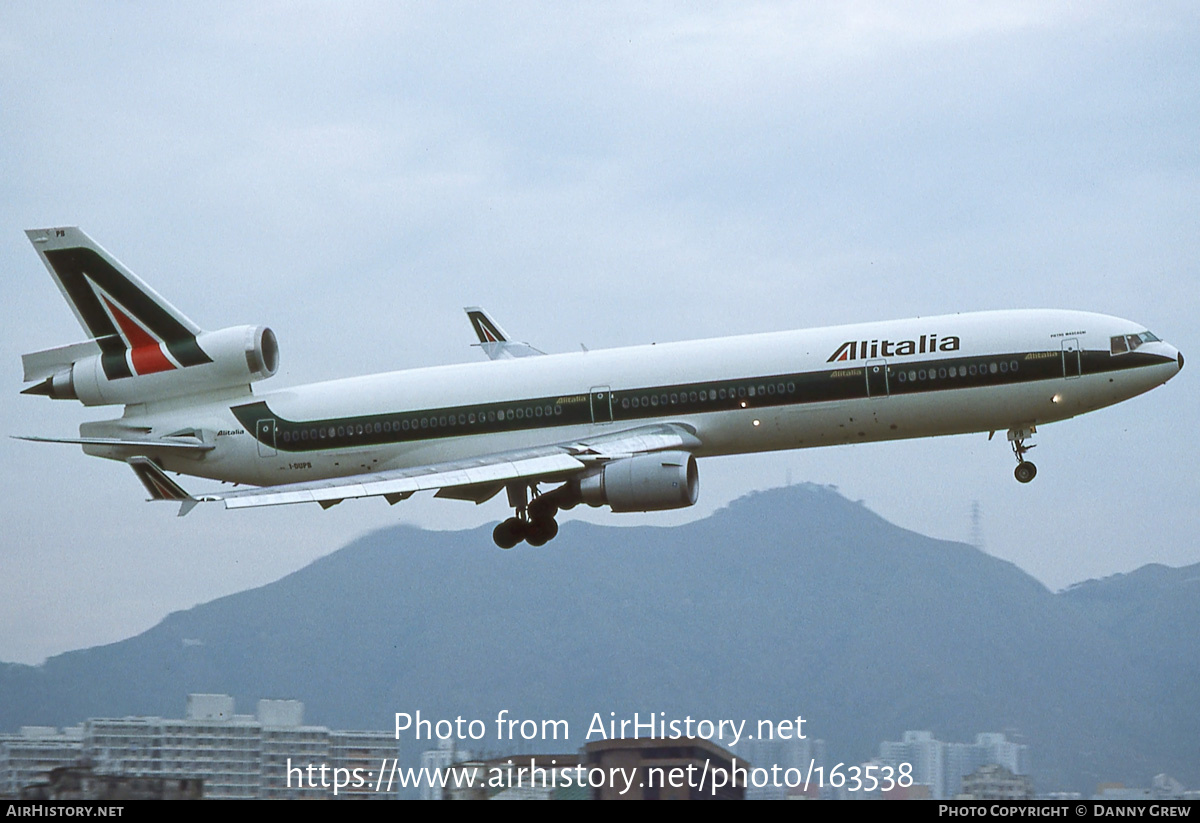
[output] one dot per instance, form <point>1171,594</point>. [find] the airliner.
<point>621,428</point>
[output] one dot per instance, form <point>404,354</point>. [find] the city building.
<point>270,754</point>
<point>942,766</point>
<point>519,777</point>
<point>995,782</point>
<point>436,763</point>
<point>614,769</point>
<point>28,756</point>
<point>924,754</point>
<point>685,769</point>
<point>66,783</point>
<point>786,763</point>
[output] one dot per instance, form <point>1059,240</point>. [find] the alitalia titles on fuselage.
<point>864,349</point>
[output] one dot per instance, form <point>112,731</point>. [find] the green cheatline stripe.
<point>668,401</point>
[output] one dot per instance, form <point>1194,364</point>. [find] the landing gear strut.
<point>1025,470</point>
<point>534,520</point>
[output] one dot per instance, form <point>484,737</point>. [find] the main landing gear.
<point>534,520</point>
<point>1025,470</point>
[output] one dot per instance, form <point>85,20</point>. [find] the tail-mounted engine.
<point>107,371</point>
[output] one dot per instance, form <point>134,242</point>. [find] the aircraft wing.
<point>475,479</point>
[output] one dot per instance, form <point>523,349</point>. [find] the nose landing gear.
<point>1025,470</point>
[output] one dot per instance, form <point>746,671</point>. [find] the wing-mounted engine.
<point>646,483</point>
<point>108,370</point>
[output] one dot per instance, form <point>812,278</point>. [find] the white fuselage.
<point>924,377</point>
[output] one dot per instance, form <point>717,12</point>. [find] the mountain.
<point>789,602</point>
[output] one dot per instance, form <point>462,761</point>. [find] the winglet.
<point>494,341</point>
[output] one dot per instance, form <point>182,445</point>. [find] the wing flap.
<point>469,479</point>
<point>392,484</point>
<point>627,444</point>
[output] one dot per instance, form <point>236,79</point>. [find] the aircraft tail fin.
<point>494,341</point>
<point>159,485</point>
<point>121,314</point>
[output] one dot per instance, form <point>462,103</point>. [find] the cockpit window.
<point>1122,343</point>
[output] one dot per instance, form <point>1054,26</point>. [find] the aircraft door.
<point>877,378</point>
<point>1072,364</point>
<point>265,435</point>
<point>601,399</point>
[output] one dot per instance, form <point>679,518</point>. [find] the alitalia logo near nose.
<point>862,349</point>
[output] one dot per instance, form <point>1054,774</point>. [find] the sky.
<point>353,174</point>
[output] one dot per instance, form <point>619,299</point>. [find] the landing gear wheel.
<point>534,519</point>
<point>541,532</point>
<point>1025,471</point>
<point>509,533</point>
<point>542,508</point>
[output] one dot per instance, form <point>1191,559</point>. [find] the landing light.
<point>756,422</point>
<point>1056,398</point>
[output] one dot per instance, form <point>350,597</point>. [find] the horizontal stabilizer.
<point>42,364</point>
<point>188,444</point>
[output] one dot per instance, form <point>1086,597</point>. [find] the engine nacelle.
<point>646,483</point>
<point>235,356</point>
